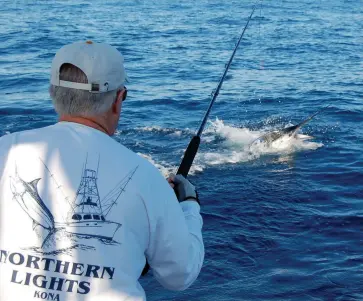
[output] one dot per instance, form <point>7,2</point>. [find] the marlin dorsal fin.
<point>34,183</point>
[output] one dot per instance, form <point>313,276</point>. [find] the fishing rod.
<point>194,143</point>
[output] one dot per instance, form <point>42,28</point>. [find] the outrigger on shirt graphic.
<point>87,217</point>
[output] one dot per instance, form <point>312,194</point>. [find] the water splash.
<point>238,144</point>
<point>229,144</point>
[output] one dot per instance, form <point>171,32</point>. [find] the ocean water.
<point>283,222</point>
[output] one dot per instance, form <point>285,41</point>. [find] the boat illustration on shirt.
<point>87,216</point>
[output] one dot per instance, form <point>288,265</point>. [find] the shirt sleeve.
<point>176,249</point>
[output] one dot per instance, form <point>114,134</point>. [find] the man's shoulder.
<point>61,134</point>
<point>10,138</point>
<point>149,169</point>
<point>23,133</point>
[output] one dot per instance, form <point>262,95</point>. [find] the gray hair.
<point>69,101</point>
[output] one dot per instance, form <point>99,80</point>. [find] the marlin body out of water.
<point>283,134</point>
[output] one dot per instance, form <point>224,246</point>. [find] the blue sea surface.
<point>283,223</point>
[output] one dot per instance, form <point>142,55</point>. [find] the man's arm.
<point>176,250</point>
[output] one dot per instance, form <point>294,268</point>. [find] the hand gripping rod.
<point>194,143</point>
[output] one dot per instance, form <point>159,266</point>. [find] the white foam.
<point>233,135</point>
<point>154,128</point>
<point>159,129</point>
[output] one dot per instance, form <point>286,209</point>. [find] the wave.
<point>159,129</point>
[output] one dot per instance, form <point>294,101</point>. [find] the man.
<point>80,213</point>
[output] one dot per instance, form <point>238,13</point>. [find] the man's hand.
<point>184,190</point>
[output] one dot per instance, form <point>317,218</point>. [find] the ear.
<point>117,104</point>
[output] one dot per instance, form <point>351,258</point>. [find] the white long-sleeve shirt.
<point>80,214</point>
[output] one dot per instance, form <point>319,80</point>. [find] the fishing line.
<point>259,37</point>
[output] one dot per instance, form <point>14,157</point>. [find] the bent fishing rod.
<point>194,143</point>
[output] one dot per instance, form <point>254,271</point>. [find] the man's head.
<point>88,80</point>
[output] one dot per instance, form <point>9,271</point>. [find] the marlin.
<point>289,132</point>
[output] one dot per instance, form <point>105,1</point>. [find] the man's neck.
<point>88,121</point>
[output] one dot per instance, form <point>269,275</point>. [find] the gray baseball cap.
<point>102,64</point>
